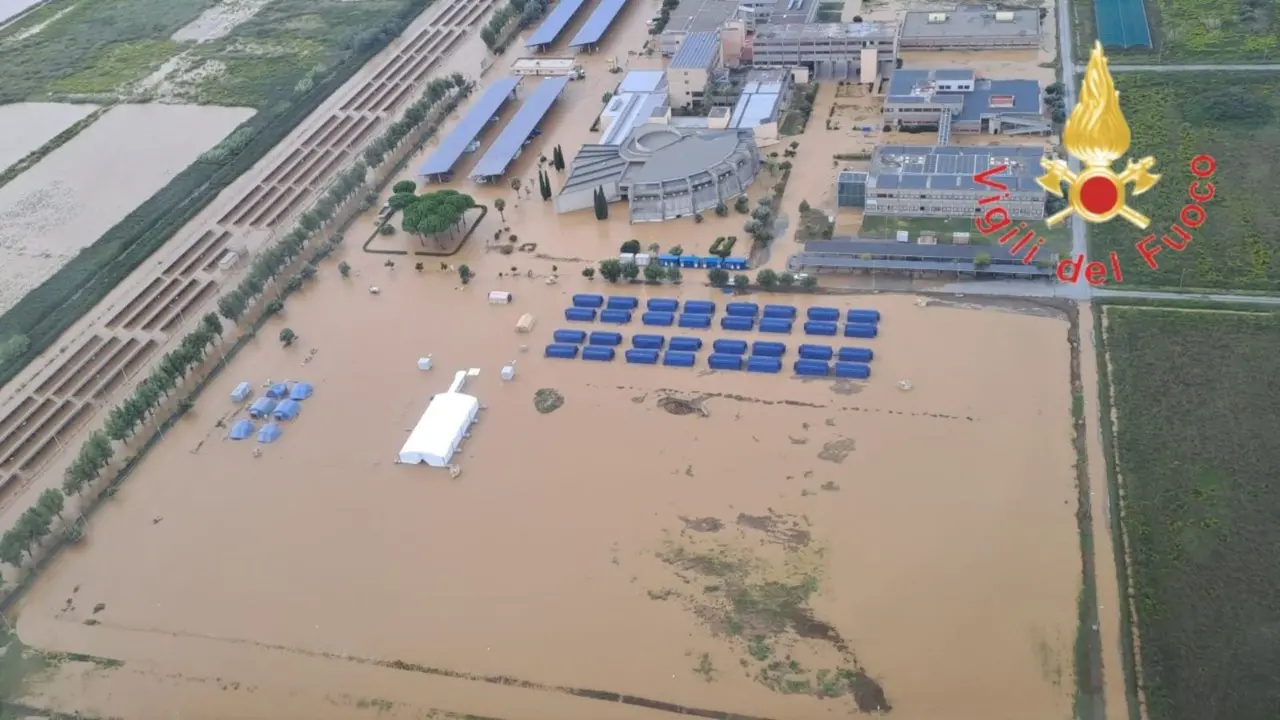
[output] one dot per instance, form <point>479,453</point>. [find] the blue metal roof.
<point>596,25</point>
<point>468,129</point>
<point>504,148</point>
<point>697,51</point>
<point>551,28</point>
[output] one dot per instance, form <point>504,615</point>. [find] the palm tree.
<point>515,185</point>
<point>500,205</point>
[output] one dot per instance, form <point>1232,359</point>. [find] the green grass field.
<point>1192,31</point>
<point>1197,421</point>
<point>886,228</point>
<point>1233,117</point>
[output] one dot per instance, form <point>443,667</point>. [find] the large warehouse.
<point>971,27</point>
<point>664,172</point>
<point>859,51</point>
<point>928,181</point>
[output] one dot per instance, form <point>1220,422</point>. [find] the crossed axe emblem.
<point>1097,193</point>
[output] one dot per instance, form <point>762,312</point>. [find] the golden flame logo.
<point>1097,135</point>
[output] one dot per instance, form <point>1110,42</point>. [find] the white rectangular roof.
<point>440,429</point>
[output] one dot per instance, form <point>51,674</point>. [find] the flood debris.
<point>547,400</point>
<point>703,524</point>
<point>837,450</point>
<point>683,406</point>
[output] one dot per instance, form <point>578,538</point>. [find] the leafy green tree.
<point>676,250</point>
<point>786,280</point>
<point>288,336</point>
<point>120,423</point>
<point>630,271</point>
<point>500,205</point>
<point>588,272</point>
<point>344,269</point>
<point>611,270</point>
<point>654,273</point>
<point>766,279</point>
<point>52,502</point>
<point>405,187</point>
<point>274,306</point>
<point>465,274</point>
<point>741,282</point>
<point>809,282</point>
<point>400,201</point>
<point>33,526</point>
<point>722,210</point>
<point>12,548</point>
<point>211,323</point>
<point>437,213</point>
<point>601,203</point>
<point>630,247</point>
<point>232,305</point>
<point>718,277</point>
<point>674,274</point>
<point>742,205</point>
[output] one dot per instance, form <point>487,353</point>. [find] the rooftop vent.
<point>1001,101</point>
<point>937,17</point>
<point>1004,16</point>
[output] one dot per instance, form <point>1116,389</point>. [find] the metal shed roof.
<point>522,124</point>
<point>468,129</point>
<point>598,22</point>
<point>697,51</point>
<point>551,28</point>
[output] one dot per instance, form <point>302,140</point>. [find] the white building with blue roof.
<point>957,100</point>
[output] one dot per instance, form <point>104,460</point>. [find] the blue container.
<point>858,330</point>
<point>604,337</point>
<point>689,261</point>
<point>742,309</point>
<point>637,356</point>
<point>588,300</point>
<point>725,346</point>
<point>711,262</point>
<point>855,354</point>
<point>621,302</point>
<point>602,354</point>
<point>577,314</point>
<point>823,314</point>
<point>662,319</point>
<point>686,344</point>
<point>662,305</point>
<point>569,336</point>
<point>675,358</point>
<point>774,325</point>
<point>719,361</point>
<point>619,317</point>
<point>700,307</point>
<point>863,317</point>
<point>764,364</point>
<point>816,352</point>
<point>648,342</point>
<point>743,324</point>
<point>561,350</point>
<point>784,312</point>
<point>764,348</point>
<point>735,263</point>
<point>820,327</point>
<point>857,371</point>
<point>691,320</point>
<point>812,368</point>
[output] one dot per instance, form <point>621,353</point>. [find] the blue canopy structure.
<point>269,433</point>
<point>287,410</point>
<point>278,391</point>
<point>301,391</point>
<point>262,407</point>
<point>241,429</point>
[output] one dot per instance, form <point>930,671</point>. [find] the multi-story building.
<point>779,12</point>
<point>956,100</point>
<point>970,27</point>
<point>694,16</point>
<point>860,50</point>
<point>690,70</point>
<point>927,181</point>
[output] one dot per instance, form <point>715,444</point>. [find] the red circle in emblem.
<point>1099,195</point>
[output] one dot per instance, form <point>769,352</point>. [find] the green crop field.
<point>1197,425</point>
<point>1191,32</point>
<point>1233,117</point>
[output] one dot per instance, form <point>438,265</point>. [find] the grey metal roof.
<point>897,250</point>
<point>468,129</point>
<point>918,87</point>
<point>673,153</point>
<point>976,22</point>
<point>642,81</point>
<point>697,51</point>
<point>755,109</point>
<point>805,260</point>
<point>557,19</point>
<point>952,168</point>
<point>795,32</point>
<point>522,124</point>
<point>1024,94</point>
<point>639,108</point>
<point>597,23</point>
<point>700,15</point>
<point>793,11</point>
<point>593,166</point>
<point>955,74</point>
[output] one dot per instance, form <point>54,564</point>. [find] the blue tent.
<point>269,433</point>
<point>241,430</point>
<point>301,391</point>
<point>278,391</point>
<point>262,407</point>
<point>287,410</point>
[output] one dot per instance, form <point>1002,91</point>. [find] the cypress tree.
<point>546,186</point>
<point>602,204</point>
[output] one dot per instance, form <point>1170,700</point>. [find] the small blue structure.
<point>637,356</point>
<point>241,393</point>
<point>617,317</point>
<point>562,351</point>
<point>742,309</point>
<point>675,358</point>
<point>820,327</point>
<point>735,263</point>
<point>684,343</point>
<point>269,433</point>
<point>775,325</point>
<point>573,337</point>
<point>699,307</point>
<point>279,391</point>
<point>577,314</point>
<point>823,314</point>
<point>241,429</point>
<point>764,348</point>
<point>648,342</point>
<point>660,319</point>
<point>764,364</point>
<point>301,391</point>
<point>695,321</point>
<point>858,330</point>
<point>607,338</point>
<point>711,262</point>
<point>588,300</point>
<point>812,368</point>
<point>622,302</point>
<point>742,324</point>
<point>725,346</point>
<point>690,261</point>
<point>287,410</point>
<point>816,352</point>
<point>783,312</point>
<point>864,317</point>
<point>857,371</point>
<point>855,354</point>
<point>662,305</point>
<point>598,353</point>
<point>668,260</point>
<point>719,361</point>
<point>262,407</point>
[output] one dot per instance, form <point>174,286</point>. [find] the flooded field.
<point>70,198</point>
<point>27,126</point>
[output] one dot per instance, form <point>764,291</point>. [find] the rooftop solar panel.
<point>468,129</point>
<point>551,28</point>
<point>522,124</point>
<point>596,25</point>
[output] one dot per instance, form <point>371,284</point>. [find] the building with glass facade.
<point>851,189</point>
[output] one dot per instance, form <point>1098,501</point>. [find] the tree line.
<point>493,34</point>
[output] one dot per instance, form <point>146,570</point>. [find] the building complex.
<point>938,181</point>
<point>956,100</point>
<point>970,27</point>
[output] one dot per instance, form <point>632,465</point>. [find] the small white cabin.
<point>499,297</point>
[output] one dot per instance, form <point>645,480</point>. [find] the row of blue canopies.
<point>727,353</point>
<point>281,402</point>
<point>739,316</point>
<point>710,262</point>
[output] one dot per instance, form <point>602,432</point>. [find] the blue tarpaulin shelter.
<point>287,410</point>
<point>241,430</point>
<point>278,391</point>
<point>301,391</point>
<point>262,407</point>
<point>269,433</point>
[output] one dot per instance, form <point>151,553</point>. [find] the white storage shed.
<point>440,430</point>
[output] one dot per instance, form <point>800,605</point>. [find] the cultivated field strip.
<point>35,423</point>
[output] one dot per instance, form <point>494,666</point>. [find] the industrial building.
<point>760,105</point>
<point>852,255</point>
<point>693,16</point>
<point>664,172</point>
<point>640,98</point>
<point>927,181</point>
<point>690,69</point>
<point>956,100</point>
<point>970,27</point>
<point>862,51</point>
<point>778,12</point>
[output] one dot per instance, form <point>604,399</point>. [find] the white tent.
<point>440,430</point>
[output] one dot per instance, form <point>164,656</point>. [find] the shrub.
<point>630,247</point>
<point>718,277</point>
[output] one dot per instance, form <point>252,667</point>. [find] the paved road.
<point>1080,290</point>
<point>1039,289</point>
<point>1185,68</point>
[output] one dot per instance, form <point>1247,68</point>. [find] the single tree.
<point>588,272</point>
<point>211,323</point>
<point>741,282</point>
<point>500,205</point>
<point>52,501</point>
<point>12,548</point>
<point>809,282</point>
<point>804,206</point>
<point>231,306</point>
<point>464,274</point>
<point>630,271</point>
<point>786,280</point>
<point>674,274</point>
<point>287,336</point>
<point>742,205</point>
<point>718,277</point>
<point>676,250</point>
<point>515,186</point>
<point>405,186</point>
<point>654,273</point>
<point>344,269</point>
<point>722,210</point>
<point>630,247</point>
<point>610,270</point>
<point>546,186</point>
<point>766,279</point>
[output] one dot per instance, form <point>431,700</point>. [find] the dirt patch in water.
<point>547,400</point>
<point>683,406</point>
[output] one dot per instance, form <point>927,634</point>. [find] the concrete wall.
<point>683,83</point>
